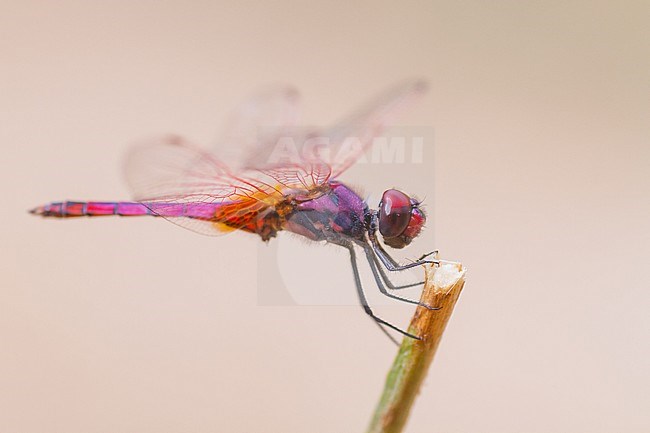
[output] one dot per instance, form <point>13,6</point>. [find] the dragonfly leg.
<point>390,263</point>
<point>387,280</point>
<point>380,285</point>
<point>432,253</point>
<point>364,302</point>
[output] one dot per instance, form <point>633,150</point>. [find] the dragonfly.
<point>287,179</point>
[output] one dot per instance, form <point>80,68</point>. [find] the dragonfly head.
<point>400,218</point>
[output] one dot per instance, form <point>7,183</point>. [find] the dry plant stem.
<point>414,357</point>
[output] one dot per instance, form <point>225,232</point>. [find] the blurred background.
<point>538,183</point>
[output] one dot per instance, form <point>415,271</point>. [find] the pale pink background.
<point>541,112</point>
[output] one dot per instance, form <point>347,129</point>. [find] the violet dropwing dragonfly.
<point>287,180</point>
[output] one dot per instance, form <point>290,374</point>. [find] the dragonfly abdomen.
<point>66,209</point>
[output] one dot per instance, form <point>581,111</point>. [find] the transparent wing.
<point>173,178</point>
<point>172,167</point>
<point>354,135</point>
<point>338,147</point>
<point>270,113</point>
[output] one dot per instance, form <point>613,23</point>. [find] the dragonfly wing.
<point>177,180</point>
<point>270,113</point>
<point>199,226</point>
<point>351,137</point>
<point>326,154</point>
<point>171,167</point>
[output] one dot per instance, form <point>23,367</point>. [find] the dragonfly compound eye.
<point>394,213</point>
<point>400,218</point>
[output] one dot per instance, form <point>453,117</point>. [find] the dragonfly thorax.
<point>337,213</point>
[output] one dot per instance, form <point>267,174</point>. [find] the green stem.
<point>415,356</point>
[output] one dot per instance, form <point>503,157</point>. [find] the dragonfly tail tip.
<point>36,211</point>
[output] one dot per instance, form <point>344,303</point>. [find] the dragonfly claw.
<point>433,253</point>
